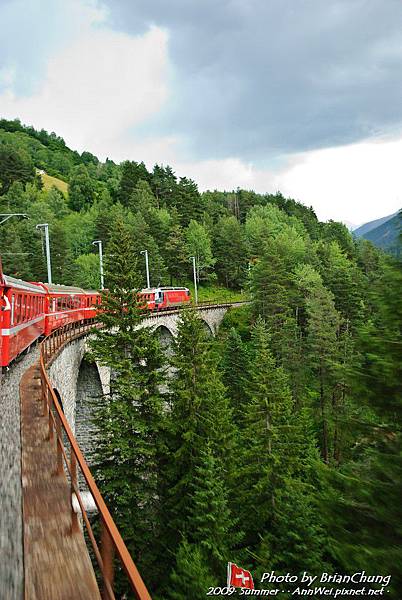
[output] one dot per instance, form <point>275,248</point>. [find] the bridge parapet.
<point>211,313</point>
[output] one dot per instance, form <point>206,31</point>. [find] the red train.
<point>30,310</point>
<point>163,298</point>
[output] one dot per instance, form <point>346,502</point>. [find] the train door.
<point>5,308</point>
<point>158,298</point>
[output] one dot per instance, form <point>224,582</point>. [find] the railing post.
<point>45,405</point>
<point>107,550</point>
<point>49,413</point>
<point>59,444</point>
<point>73,485</point>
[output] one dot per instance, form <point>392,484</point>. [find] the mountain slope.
<point>387,235</point>
<point>364,229</point>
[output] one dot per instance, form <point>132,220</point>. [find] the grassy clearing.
<point>49,182</point>
<point>218,293</point>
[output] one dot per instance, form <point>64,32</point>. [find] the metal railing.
<point>111,544</point>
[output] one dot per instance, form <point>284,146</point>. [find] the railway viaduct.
<point>76,382</point>
<point>75,379</point>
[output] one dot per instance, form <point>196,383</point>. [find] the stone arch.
<point>207,326</point>
<point>88,393</point>
<point>166,339</point>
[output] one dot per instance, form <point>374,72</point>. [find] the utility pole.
<point>49,266</point>
<point>99,244</point>
<point>195,279</point>
<point>145,252</point>
<point>7,216</point>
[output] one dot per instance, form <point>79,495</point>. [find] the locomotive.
<point>31,310</point>
<point>163,298</point>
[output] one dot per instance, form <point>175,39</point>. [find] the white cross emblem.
<point>243,578</point>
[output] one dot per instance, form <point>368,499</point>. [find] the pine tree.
<point>271,287</point>
<point>365,498</point>
<point>235,364</point>
<point>163,184</point>
<point>141,198</point>
<point>210,523</point>
<point>188,201</point>
<point>199,469</point>
<point>131,173</point>
<point>230,252</point>
<point>191,576</point>
<point>130,418</point>
<point>321,353</point>
<point>277,464</point>
<point>177,258</point>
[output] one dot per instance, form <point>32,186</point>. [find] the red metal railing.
<point>112,543</point>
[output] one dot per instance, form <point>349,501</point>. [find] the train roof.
<point>66,289</point>
<point>13,282</point>
<point>167,288</point>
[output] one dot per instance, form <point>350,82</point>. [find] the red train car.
<point>29,310</point>
<point>67,304</point>
<point>163,298</point>
<point>22,316</point>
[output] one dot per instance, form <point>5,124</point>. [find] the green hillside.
<point>384,233</point>
<point>387,235</point>
<point>166,213</point>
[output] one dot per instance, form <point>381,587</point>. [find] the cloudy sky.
<point>302,96</point>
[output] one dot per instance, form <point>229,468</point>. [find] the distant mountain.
<point>384,233</point>
<point>351,226</point>
<point>362,230</point>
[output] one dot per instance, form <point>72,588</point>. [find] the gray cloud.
<point>256,78</point>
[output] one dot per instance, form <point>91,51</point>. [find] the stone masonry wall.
<point>63,374</point>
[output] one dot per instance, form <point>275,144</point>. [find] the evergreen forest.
<point>276,444</point>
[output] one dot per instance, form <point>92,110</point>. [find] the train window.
<point>17,308</point>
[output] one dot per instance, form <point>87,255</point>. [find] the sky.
<point>301,96</point>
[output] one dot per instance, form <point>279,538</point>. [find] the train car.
<point>67,304</point>
<point>163,298</point>
<point>22,316</point>
<point>93,300</point>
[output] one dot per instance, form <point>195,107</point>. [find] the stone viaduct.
<point>78,382</point>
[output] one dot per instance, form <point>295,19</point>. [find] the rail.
<point>200,306</point>
<point>111,543</point>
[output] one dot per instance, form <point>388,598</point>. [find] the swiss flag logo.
<point>238,577</point>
